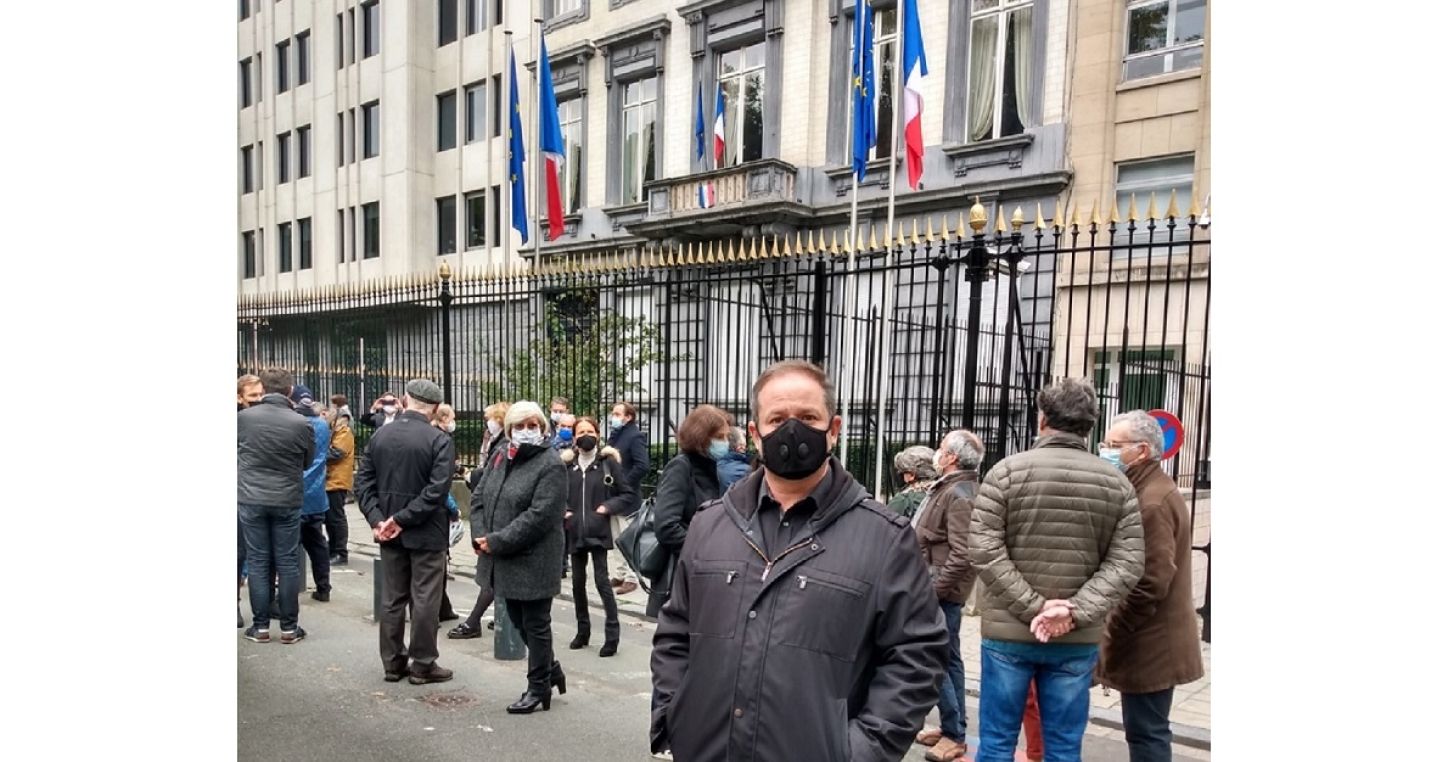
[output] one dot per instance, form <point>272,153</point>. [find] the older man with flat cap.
<point>402,486</point>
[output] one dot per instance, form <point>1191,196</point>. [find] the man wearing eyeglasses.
<point>384,411</point>
<point>1150,645</point>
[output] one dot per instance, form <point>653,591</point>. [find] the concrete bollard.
<point>507,640</point>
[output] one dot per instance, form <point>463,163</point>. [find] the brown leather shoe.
<point>627,587</point>
<point>928,737</point>
<point>434,675</point>
<point>945,751</point>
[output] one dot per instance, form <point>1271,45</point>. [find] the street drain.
<point>449,700</point>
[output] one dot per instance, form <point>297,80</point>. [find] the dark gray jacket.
<point>274,445</point>
<point>406,473</point>
<point>837,655</point>
<point>518,505</point>
<point>688,481</point>
<point>600,484</point>
<point>633,451</point>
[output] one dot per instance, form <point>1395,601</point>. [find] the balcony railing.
<point>744,194</point>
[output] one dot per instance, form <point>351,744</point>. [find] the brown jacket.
<point>943,531</point>
<point>1054,522</point>
<point>1151,638</point>
<point>340,471</point>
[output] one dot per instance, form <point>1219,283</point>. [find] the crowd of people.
<point>797,617</point>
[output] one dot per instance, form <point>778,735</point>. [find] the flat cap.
<point>424,390</point>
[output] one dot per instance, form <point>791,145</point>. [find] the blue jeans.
<point>1146,717</point>
<point>1063,690</point>
<point>952,690</point>
<point>272,534</point>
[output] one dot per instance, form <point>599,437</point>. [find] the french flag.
<point>913,54</point>
<point>706,189</point>
<point>719,127</point>
<point>550,141</point>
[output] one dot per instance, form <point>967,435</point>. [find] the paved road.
<point>324,698</point>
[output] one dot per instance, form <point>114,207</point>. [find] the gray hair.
<point>917,460</point>
<point>736,438</point>
<point>522,411</point>
<point>1144,429</point>
<point>416,405</point>
<point>966,447</point>
<point>1069,406</point>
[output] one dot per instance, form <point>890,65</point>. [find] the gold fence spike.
<point>1151,207</point>
<point>900,235</point>
<point>915,230</point>
<point>1131,209</point>
<point>1040,219</point>
<point>1075,216</point>
<point>944,227</point>
<point>978,217</point>
<point>1171,206</point>
<point>1095,215</point>
<point>959,226</point>
<point>1018,218</point>
<point>775,247</point>
<point>811,249</point>
<point>929,230</point>
<point>1196,210</point>
<point>788,251</point>
<point>1000,219</point>
<point>834,243</point>
<point>1115,212</point>
<point>874,242</point>
<point>754,246</point>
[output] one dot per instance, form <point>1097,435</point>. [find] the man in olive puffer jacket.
<point>1056,537</point>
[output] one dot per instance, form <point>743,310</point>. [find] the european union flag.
<point>515,153</point>
<point>862,70</point>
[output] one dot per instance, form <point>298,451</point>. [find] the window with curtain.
<point>1153,176</point>
<point>741,74</point>
<point>570,116</point>
<point>476,112</point>
<point>637,162</point>
<point>1000,99</point>
<point>1163,36</point>
<point>477,232</point>
<point>886,32</point>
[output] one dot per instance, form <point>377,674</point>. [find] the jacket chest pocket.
<point>822,612</point>
<point>715,594</point>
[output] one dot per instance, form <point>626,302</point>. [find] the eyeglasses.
<point>1118,445</point>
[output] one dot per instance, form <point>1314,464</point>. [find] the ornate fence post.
<point>1013,256</point>
<point>977,262</point>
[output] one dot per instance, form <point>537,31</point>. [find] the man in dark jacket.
<point>274,446</point>
<point>402,486</point>
<point>1056,538</point>
<point>384,410</point>
<point>633,452</point>
<point>801,623</point>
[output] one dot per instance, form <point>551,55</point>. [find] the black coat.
<point>837,655</point>
<point>406,473</point>
<point>274,445</point>
<point>633,452</point>
<point>600,484</point>
<point>688,481</point>
<point>518,505</point>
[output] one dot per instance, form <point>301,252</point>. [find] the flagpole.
<point>507,103</point>
<point>896,139</point>
<point>848,364</point>
<point>538,162</point>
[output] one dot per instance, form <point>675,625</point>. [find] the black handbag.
<point>640,546</point>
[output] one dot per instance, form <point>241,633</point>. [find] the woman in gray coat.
<point>517,528</point>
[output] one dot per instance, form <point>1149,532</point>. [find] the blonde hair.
<point>245,381</point>
<point>497,411</point>
<point>444,411</point>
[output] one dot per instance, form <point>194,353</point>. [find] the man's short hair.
<point>787,367</point>
<point>1069,406</point>
<point>560,401</point>
<point>628,409</point>
<point>736,438</point>
<point>276,381</point>
<point>699,426</point>
<point>966,447</point>
<point>245,381</point>
<point>1143,429</point>
<point>338,400</point>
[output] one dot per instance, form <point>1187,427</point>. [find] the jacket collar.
<point>952,478</point>
<point>1062,440</point>
<point>1141,473</point>
<point>414,414</point>
<point>844,494</point>
<point>280,400</point>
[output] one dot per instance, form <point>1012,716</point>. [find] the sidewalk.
<point>1191,704</point>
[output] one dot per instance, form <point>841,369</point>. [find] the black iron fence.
<point>935,329</point>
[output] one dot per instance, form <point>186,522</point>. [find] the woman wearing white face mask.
<point>517,530</point>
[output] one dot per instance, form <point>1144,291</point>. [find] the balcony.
<point>746,196</point>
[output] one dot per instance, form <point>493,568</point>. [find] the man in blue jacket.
<point>314,496</point>
<point>735,463</point>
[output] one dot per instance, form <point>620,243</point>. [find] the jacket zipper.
<point>769,564</point>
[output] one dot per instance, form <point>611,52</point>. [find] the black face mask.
<point>795,450</point>
<point>586,443</point>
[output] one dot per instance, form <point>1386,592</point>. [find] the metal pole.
<point>847,366</point>
<point>538,162</point>
<point>977,261</point>
<point>361,371</point>
<point>446,299</point>
<point>507,641</point>
<point>896,139</point>
<point>1013,258</point>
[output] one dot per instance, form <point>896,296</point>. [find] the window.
<point>370,30</point>
<point>563,7</point>
<point>341,49</point>
<point>570,116</point>
<point>248,254</point>
<point>341,235</point>
<point>248,178</point>
<point>447,120</point>
<point>304,151</point>
<point>447,225</point>
<point>304,243</point>
<point>447,22</point>
<point>284,150</point>
<point>245,77</point>
<point>352,233</point>
<point>497,105</point>
<point>497,216</point>
<point>886,35</point>
<point>245,9</point>
<point>260,252</point>
<point>1143,178</point>
<point>351,135</point>
<point>637,165</point>
<point>475,113</point>
<point>304,57</point>
<point>1000,98</point>
<point>1163,36</point>
<point>371,231</point>
<point>284,247</point>
<point>370,133</point>
<point>741,74</point>
<point>351,35</point>
<point>477,15</point>
<point>282,65</point>
<point>476,214</point>
<point>341,141</point>
<point>260,167</point>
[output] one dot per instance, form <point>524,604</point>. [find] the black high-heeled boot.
<point>610,647</point>
<point>579,641</point>
<point>529,703</point>
<point>560,681</point>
